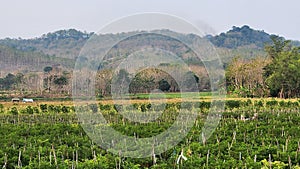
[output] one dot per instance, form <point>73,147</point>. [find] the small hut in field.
<point>15,99</point>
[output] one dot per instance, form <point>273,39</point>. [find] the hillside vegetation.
<point>28,58</point>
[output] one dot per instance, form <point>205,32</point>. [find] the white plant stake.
<point>181,156</point>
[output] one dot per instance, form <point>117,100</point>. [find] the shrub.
<point>289,103</point>
<point>1,108</point>
<point>144,107</point>
<point>232,104</point>
<point>136,106</point>
<point>204,105</point>
<point>104,107</point>
<point>258,103</point>
<point>170,105</point>
<point>94,108</point>
<point>29,110</point>
<point>72,108</point>
<point>36,110</point>
<point>51,108</point>
<point>247,103</point>
<point>271,103</point>
<point>296,104</point>
<point>281,103</point>
<point>65,109</point>
<point>43,107</point>
<point>54,109</point>
<point>57,109</point>
<point>14,111</point>
<point>149,106</point>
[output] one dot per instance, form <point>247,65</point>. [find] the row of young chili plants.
<point>51,137</point>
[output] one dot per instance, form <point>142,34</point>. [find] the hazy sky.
<point>32,18</point>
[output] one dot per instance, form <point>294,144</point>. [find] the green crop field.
<point>49,135</point>
<point>191,95</point>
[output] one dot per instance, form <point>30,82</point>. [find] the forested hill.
<point>242,41</point>
<point>45,64</point>
<point>67,43</point>
<point>14,60</point>
<point>62,43</point>
<point>239,37</point>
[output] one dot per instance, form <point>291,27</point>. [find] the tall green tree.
<point>61,82</point>
<point>164,85</point>
<point>8,82</point>
<point>283,73</point>
<point>141,84</point>
<point>48,79</point>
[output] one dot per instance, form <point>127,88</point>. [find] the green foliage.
<point>272,103</point>
<point>65,109</point>
<point>105,106</point>
<point>258,103</point>
<point>14,111</point>
<point>283,73</point>
<point>274,133</point>
<point>247,103</point>
<point>60,81</point>
<point>164,85</point>
<point>243,36</point>
<point>233,104</point>
<point>8,82</point>
<point>36,110</point>
<point>44,107</point>
<point>275,164</point>
<point>94,108</point>
<point>48,69</point>
<point>1,108</point>
<point>204,105</point>
<point>276,76</point>
<point>29,110</point>
<point>141,84</point>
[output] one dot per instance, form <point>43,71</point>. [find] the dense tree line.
<point>283,73</point>
<point>10,81</point>
<point>149,80</point>
<point>276,75</point>
<point>54,80</point>
<point>245,77</point>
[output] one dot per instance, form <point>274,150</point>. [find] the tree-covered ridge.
<point>241,36</point>
<point>12,60</point>
<point>247,75</point>
<point>22,72</point>
<point>68,43</point>
<point>62,43</point>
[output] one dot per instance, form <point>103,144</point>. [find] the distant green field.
<point>190,95</point>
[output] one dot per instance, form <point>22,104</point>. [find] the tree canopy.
<point>277,75</point>
<point>283,73</point>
